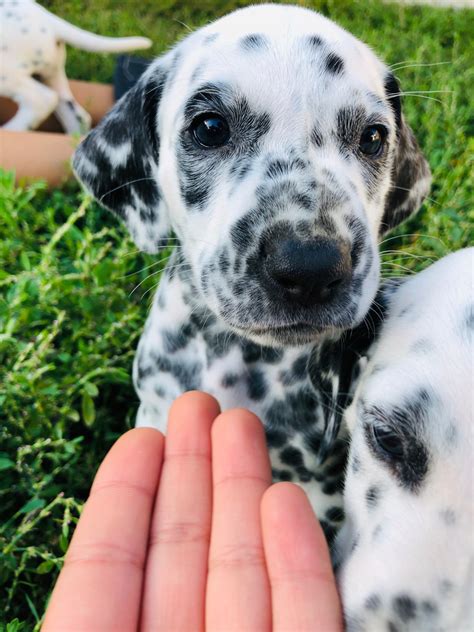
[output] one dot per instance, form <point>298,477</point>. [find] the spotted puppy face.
<point>273,145</point>
<point>406,552</point>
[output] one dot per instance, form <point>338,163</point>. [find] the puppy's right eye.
<point>210,130</point>
<point>372,140</point>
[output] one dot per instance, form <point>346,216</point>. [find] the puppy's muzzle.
<point>309,272</point>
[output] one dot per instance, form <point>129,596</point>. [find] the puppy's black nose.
<point>306,272</point>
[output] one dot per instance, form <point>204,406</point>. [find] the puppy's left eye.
<point>388,442</point>
<point>372,140</point>
<point>210,130</point>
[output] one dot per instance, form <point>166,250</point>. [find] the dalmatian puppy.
<point>272,144</point>
<point>406,551</point>
<point>33,55</point>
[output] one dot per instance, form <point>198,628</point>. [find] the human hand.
<point>189,535</point>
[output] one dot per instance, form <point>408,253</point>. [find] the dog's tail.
<point>90,41</point>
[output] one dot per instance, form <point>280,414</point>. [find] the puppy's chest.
<point>195,352</point>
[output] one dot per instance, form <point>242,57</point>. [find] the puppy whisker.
<point>125,184</point>
<point>417,235</point>
<point>401,65</point>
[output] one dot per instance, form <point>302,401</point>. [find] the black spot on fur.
<point>280,168</point>
<point>315,41</point>
<point>240,167</point>
<point>334,64</point>
<point>275,438</point>
<point>229,380</point>
<point>468,324</point>
<point>335,514</point>
<point>144,372</point>
<point>331,487</point>
<point>335,466</point>
<point>316,137</point>
<point>448,516</point>
<point>282,475</point>
<point>252,352</point>
<point>218,344</point>
<point>256,384</point>
<point>373,602</point>
<point>187,374</point>
<point>176,340</point>
<point>304,475</point>
<point>404,607</point>
<point>296,411</point>
<point>202,319</point>
<point>313,441</point>
<point>271,355</point>
<point>224,261</point>
<point>299,367</point>
<point>355,464</point>
<point>291,456</point>
<point>286,378</point>
<point>242,231</point>
<point>160,392</point>
<point>253,42</point>
<point>372,496</point>
<point>429,608</point>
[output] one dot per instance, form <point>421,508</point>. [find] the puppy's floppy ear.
<point>411,176</point>
<point>118,161</point>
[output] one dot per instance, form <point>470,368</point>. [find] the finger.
<point>100,585</point>
<point>176,571</point>
<point>303,588</point>
<point>238,595</point>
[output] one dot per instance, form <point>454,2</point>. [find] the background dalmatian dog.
<point>407,547</point>
<point>33,54</point>
<point>272,143</point>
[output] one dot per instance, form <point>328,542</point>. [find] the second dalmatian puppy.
<point>406,551</point>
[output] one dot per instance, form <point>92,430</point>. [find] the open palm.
<point>189,534</point>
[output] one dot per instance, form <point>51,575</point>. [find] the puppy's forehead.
<point>279,23</point>
<point>268,45</point>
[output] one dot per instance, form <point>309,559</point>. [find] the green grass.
<point>68,325</point>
